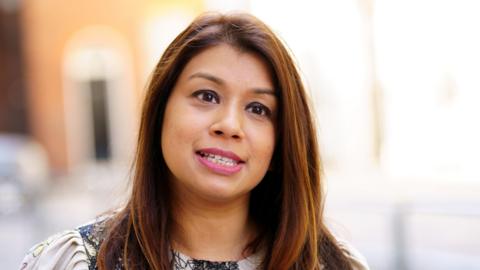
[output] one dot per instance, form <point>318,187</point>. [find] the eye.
<point>258,108</point>
<point>208,96</point>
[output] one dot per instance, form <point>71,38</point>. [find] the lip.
<point>220,152</point>
<point>217,168</point>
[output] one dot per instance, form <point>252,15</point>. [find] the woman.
<point>227,171</point>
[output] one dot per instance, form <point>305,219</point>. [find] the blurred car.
<point>24,172</point>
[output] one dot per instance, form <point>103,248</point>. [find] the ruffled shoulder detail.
<point>70,250</point>
<point>64,250</point>
<point>357,260</point>
<point>92,235</point>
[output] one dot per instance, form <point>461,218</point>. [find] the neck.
<point>211,230</point>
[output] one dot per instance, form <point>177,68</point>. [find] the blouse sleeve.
<point>61,251</point>
<point>357,260</point>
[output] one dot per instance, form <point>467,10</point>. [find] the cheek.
<point>179,127</point>
<point>178,133</point>
<point>263,143</point>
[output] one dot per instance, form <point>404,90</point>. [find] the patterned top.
<point>77,250</point>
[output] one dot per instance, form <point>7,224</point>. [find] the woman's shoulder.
<point>72,249</point>
<point>357,260</point>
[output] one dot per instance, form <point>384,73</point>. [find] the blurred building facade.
<point>85,64</point>
<point>12,82</point>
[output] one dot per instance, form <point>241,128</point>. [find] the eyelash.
<point>255,105</point>
<point>202,95</point>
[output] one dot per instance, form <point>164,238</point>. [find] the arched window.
<point>99,98</point>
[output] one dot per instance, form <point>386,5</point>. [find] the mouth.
<point>219,161</point>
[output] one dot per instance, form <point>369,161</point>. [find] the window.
<point>99,105</point>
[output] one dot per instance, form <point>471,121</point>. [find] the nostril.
<point>218,132</point>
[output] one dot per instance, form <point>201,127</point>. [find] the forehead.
<point>231,65</point>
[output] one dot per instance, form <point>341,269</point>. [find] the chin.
<point>222,194</point>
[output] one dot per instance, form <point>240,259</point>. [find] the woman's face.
<point>218,132</point>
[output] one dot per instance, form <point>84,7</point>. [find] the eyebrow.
<point>207,76</point>
<point>219,81</point>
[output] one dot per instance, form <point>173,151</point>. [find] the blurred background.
<point>395,84</point>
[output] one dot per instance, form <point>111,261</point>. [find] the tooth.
<point>217,159</point>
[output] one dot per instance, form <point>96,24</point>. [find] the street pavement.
<point>428,229</point>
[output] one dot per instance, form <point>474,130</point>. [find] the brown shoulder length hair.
<point>287,205</point>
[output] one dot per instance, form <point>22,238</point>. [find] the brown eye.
<point>208,96</point>
<point>258,108</point>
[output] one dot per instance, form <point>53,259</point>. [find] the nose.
<point>228,123</point>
